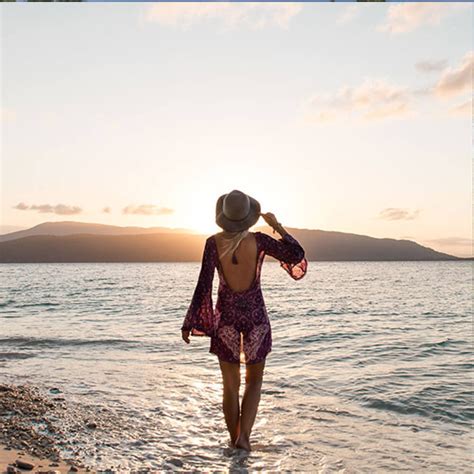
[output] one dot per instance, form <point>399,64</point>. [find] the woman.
<point>239,327</point>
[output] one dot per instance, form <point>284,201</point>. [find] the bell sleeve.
<point>199,319</point>
<point>288,251</point>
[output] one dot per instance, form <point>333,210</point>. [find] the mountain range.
<point>71,241</point>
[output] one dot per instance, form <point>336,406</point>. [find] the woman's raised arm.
<point>288,251</point>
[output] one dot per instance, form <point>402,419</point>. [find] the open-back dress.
<point>239,324</point>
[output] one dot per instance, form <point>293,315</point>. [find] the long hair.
<point>231,243</point>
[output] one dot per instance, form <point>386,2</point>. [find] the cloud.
<point>21,206</point>
<point>60,209</point>
<point>405,17</point>
<point>431,65</point>
<point>147,210</point>
<point>106,210</point>
<point>253,15</point>
<point>456,80</point>
<point>378,99</point>
<point>398,214</point>
<point>373,99</point>
<point>464,109</point>
<point>349,13</point>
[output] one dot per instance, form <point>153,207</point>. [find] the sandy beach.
<point>29,436</point>
<point>9,459</point>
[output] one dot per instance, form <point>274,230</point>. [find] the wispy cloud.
<point>457,79</point>
<point>398,214</point>
<point>464,109</point>
<point>377,98</point>
<point>147,210</point>
<point>60,209</point>
<point>373,99</point>
<point>230,15</point>
<point>431,65</point>
<point>405,17</point>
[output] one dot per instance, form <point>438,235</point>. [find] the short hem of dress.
<point>261,359</point>
<point>256,361</point>
<point>233,361</point>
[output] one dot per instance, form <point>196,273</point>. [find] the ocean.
<point>371,367</point>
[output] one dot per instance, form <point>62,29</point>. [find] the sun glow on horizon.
<point>374,144</point>
<point>196,208</point>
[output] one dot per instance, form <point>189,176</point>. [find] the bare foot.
<point>234,438</point>
<point>243,443</point>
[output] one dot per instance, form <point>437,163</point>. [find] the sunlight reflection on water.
<point>369,369</point>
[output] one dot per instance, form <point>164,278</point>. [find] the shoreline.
<point>31,430</point>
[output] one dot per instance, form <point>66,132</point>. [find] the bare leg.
<point>250,401</point>
<point>230,399</point>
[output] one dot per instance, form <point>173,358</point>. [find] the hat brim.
<point>236,226</point>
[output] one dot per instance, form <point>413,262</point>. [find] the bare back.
<point>239,277</point>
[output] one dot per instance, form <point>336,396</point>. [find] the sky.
<point>346,117</point>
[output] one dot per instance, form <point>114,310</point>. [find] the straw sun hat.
<point>236,211</point>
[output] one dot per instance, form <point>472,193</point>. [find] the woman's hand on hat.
<point>185,335</point>
<point>270,219</point>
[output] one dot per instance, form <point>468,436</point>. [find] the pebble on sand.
<point>12,470</point>
<point>24,464</point>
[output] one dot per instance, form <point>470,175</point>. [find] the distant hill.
<point>341,246</point>
<point>146,245</point>
<point>73,227</point>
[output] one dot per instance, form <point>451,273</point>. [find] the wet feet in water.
<point>243,443</point>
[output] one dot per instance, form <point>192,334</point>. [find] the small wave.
<point>273,392</point>
<point>15,355</point>
<point>75,293</point>
<point>413,407</point>
<point>330,336</point>
<point>397,407</point>
<point>46,304</point>
<point>326,312</point>
<point>55,342</point>
<point>447,346</point>
<point>443,343</point>
<point>334,411</point>
<point>8,302</point>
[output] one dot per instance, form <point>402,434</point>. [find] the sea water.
<point>371,367</point>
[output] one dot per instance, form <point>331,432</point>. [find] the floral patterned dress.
<point>239,326</point>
